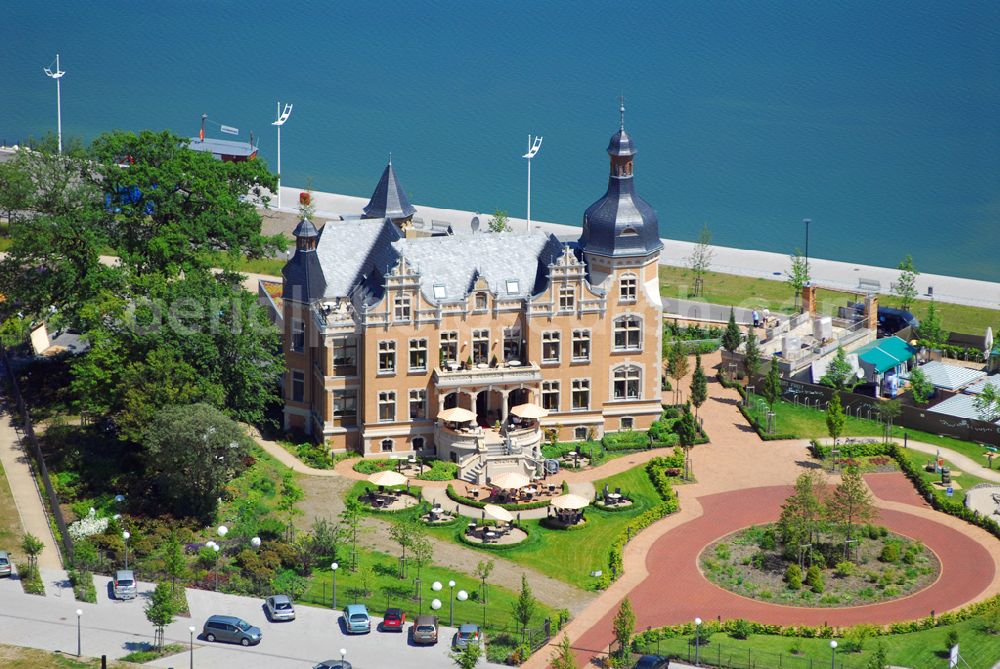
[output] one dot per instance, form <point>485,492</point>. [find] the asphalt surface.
<point>116,628</point>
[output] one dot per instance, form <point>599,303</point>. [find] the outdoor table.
<point>437,509</point>
<point>571,454</point>
<point>482,365</point>
<point>491,535</point>
<point>514,363</point>
<point>614,497</point>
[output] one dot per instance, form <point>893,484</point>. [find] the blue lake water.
<point>879,121</point>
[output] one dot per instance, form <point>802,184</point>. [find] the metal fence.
<point>732,656</point>
<point>28,439</point>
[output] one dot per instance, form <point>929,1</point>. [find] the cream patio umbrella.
<point>456,415</point>
<point>387,478</point>
<point>498,513</point>
<point>510,481</point>
<point>572,502</point>
<point>529,410</point>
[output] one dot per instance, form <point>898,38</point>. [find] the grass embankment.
<point>378,573</point>
<point>16,657</point>
<point>571,555</point>
<point>760,293</point>
<point>916,649</point>
<point>11,532</point>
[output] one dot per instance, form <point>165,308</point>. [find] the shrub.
<point>767,540</point>
<point>890,552</point>
<point>83,585</point>
<point>793,577</point>
<point>629,440</point>
<point>845,568</point>
<point>372,465</point>
<point>814,579</point>
<point>951,639</point>
<point>722,552</point>
<point>439,471</point>
<point>739,628</point>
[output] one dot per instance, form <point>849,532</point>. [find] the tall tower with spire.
<point>389,200</point>
<point>620,225</point>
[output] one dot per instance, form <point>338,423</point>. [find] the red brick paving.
<point>895,487</point>
<point>677,592</point>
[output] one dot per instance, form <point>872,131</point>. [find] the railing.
<point>501,374</point>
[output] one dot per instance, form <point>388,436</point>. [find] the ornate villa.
<point>385,327</point>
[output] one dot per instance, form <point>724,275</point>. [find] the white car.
<point>279,607</point>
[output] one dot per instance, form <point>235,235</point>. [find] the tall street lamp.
<point>334,567</point>
<point>451,615</point>
<point>697,642</point>
<point>282,117</point>
<point>191,630</point>
<point>79,633</point>
<point>833,654</point>
<point>533,146</point>
<point>126,535</point>
<point>807,221</point>
<point>57,74</point>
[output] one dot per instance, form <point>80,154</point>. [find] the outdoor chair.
<point>618,491</point>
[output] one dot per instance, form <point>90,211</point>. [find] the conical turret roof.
<point>389,199</point>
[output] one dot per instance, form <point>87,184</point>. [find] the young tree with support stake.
<point>772,385</point>
<point>624,627</point>
<point>850,504</point>
<point>888,411</point>
<point>798,274</point>
<point>699,384</point>
<point>731,337</point>
<point>835,417</point>
<point>483,571</point>
<point>524,606</point>
<point>563,656</point>
<point>677,367</point>
<point>751,360</point>
<point>701,259</point>
<point>905,287</point>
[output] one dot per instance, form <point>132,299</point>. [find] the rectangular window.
<point>298,385</point>
<point>439,291</point>
<point>627,383</point>
<point>387,406</point>
<point>418,404</point>
<point>581,345</point>
<point>418,355</point>
<point>550,347</point>
<point>550,395</point>
<point>386,445</point>
<point>481,302</point>
<point>480,346</point>
<point>345,352</point>
<point>449,348</point>
<point>513,287</point>
<point>627,287</point>
<point>511,344</point>
<point>401,308</point>
<point>580,433</point>
<point>628,333</point>
<point>627,422</point>
<point>567,298</point>
<point>298,335</point>
<point>581,394</point>
<point>386,357</point>
<point>345,403</point>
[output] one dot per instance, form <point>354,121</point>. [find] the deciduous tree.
<point>191,452</point>
<point>930,330</point>
<point>563,657</point>
<point>499,222</point>
<point>802,512</point>
<point>798,273</point>
<point>840,374</point>
<point>888,411</point>
<point>987,403</point>
<point>483,571</point>
<point>468,656</point>
<point>525,605</point>
<point>772,384</point>
<point>850,503</point>
<point>161,609</point>
<point>701,259</point>
<point>920,386</point>
<point>623,627</point>
<point>677,366</point>
<point>835,417</point>
<point>905,287</point>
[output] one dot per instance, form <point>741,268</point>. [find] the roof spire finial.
<point>621,110</point>
<point>390,157</point>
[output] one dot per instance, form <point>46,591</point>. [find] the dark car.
<point>891,321</point>
<point>333,664</point>
<point>232,630</point>
<point>652,662</point>
<point>393,621</point>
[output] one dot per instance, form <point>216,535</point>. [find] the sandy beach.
<point>744,262</point>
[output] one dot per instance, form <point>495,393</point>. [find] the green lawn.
<point>571,555</point>
<point>917,649</point>
<point>387,589</point>
<point>16,657</point>
<point>11,532</point>
<point>778,297</point>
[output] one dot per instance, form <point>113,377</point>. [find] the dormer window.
<point>439,291</point>
<point>513,286</point>
<point>628,232</point>
<point>481,302</point>
<point>401,308</point>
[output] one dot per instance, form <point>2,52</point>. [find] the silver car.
<point>279,607</point>
<point>124,584</point>
<point>4,564</point>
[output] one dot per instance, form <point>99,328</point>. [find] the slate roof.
<point>621,144</point>
<point>885,354</point>
<point>354,252</point>
<point>389,199</point>
<point>980,385</point>
<point>950,377</point>
<point>455,263</point>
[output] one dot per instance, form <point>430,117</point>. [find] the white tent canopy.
<point>570,501</point>
<point>510,481</point>
<point>456,415</point>
<point>529,411</point>
<point>387,478</point>
<point>498,513</point>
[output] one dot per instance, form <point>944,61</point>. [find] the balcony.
<point>483,374</point>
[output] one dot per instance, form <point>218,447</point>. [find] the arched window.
<point>628,383</point>
<point>418,443</point>
<point>628,333</point>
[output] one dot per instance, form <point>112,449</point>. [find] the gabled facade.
<point>382,332</point>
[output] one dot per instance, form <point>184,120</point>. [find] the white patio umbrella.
<point>988,344</point>
<point>569,502</point>
<point>456,415</point>
<point>510,481</point>
<point>498,513</point>
<point>529,410</point>
<point>387,478</point>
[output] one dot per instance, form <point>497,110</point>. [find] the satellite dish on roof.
<point>475,224</point>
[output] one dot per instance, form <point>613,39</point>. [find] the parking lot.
<point>116,628</point>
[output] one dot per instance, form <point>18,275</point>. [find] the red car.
<point>394,620</point>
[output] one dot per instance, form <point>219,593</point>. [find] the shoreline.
<point>836,274</point>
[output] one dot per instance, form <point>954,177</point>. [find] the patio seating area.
<point>566,517</point>
<point>438,515</point>
<point>387,499</point>
<point>504,534</point>
<point>612,498</point>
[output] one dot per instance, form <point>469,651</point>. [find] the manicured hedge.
<point>710,627</point>
<point>468,501</point>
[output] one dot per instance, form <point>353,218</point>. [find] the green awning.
<point>885,354</point>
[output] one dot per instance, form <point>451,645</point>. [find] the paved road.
<point>117,628</point>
